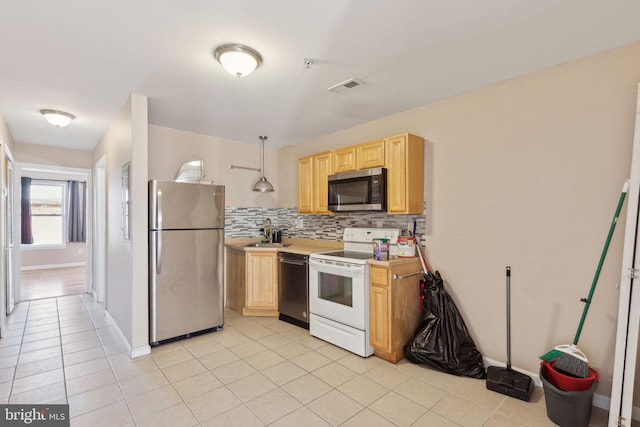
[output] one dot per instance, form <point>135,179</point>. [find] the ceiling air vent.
<point>346,85</point>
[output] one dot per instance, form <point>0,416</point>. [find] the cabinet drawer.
<point>378,276</point>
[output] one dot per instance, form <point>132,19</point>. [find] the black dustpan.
<point>506,380</point>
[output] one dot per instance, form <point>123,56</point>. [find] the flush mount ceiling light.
<point>262,185</point>
<point>57,118</point>
<point>238,59</point>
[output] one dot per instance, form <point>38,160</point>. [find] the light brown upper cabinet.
<point>305,185</point>
<point>404,160</point>
<point>402,155</point>
<point>321,172</point>
<point>370,154</point>
<point>344,159</point>
<point>313,173</point>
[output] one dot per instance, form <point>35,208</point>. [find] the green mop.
<point>568,357</point>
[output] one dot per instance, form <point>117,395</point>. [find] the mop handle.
<point>508,318</point>
<point>625,189</point>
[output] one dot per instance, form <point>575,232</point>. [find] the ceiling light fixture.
<point>57,118</point>
<point>238,59</point>
<point>262,185</point>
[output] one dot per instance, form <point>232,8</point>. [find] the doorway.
<point>53,232</point>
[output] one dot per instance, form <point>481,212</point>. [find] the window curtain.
<point>77,205</point>
<point>25,203</point>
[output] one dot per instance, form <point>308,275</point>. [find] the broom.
<point>568,357</point>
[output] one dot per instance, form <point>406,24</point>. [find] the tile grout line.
<point>93,323</point>
<point>174,389</point>
<point>125,399</point>
<point>13,379</point>
<point>64,373</point>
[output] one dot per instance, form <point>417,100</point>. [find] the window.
<point>47,212</point>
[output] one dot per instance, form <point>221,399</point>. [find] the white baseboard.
<point>49,266</point>
<point>133,352</point>
<point>599,400</point>
<point>140,351</point>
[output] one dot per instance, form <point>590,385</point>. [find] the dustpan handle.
<point>625,189</point>
<point>508,318</point>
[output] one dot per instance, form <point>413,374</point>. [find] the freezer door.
<point>183,206</point>
<point>186,282</point>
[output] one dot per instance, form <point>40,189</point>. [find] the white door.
<point>10,268</point>
<point>627,334</point>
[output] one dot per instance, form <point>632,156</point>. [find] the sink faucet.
<point>266,229</point>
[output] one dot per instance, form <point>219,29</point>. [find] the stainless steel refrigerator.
<point>186,268</point>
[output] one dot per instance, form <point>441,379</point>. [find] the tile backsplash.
<point>247,222</point>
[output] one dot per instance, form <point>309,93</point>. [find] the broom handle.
<point>509,318</point>
<point>625,189</point>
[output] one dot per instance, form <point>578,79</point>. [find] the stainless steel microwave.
<point>364,190</point>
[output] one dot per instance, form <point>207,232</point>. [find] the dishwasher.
<point>293,288</point>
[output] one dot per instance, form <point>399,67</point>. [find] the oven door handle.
<point>322,264</point>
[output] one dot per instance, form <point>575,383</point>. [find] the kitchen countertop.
<point>307,247</point>
<point>296,246</point>
<point>393,261</point>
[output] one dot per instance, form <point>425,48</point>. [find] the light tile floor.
<point>255,372</point>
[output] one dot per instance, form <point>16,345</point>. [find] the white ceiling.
<point>86,57</point>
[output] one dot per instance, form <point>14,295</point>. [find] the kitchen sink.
<point>267,245</point>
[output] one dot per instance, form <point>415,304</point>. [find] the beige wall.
<point>71,254</point>
<point>524,173</point>
<point>169,148</point>
<point>126,283</point>
<point>53,156</point>
<point>4,132</point>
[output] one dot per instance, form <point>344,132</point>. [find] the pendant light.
<point>262,185</point>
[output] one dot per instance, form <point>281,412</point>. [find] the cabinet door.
<point>262,279</point>
<point>379,309</point>
<point>305,185</point>
<point>395,161</point>
<point>370,155</point>
<point>344,160</point>
<point>235,272</point>
<point>321,171</point>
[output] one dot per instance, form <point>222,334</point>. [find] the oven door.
<point>339,291</point>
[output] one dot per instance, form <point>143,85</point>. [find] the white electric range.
<point>339,289</point>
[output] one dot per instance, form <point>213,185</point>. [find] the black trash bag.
<point>442,339</point>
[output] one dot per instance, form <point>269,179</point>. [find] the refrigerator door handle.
<point>159,239</point>
<point>159,253</point>
<point>159,209</point>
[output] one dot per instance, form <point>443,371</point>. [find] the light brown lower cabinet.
<point>261,298</point>
<point>394,307</point>
<point>252,282</point>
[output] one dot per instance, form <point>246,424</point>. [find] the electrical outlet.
<point>379,223</point>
